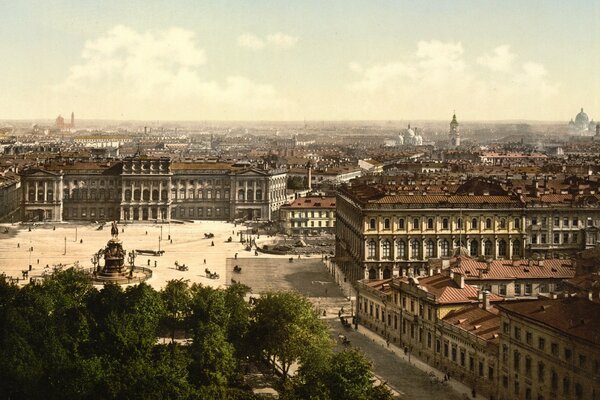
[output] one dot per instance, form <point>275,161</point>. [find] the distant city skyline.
<point>287,61</point>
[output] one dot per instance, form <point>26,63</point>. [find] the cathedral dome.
<point>582,120</point>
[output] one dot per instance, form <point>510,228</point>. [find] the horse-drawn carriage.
<point>208,235</point>
<point>180,267</point>
<point>211,275</point>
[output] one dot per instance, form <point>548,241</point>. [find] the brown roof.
<point>312,202</point>
<point>573,316</point>
<point>200,166</point>
<point>476,320</point>
<point>512,269</point>
<point>447,291</point>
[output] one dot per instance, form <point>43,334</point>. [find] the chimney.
<point>486,300</point>
<point>459,279</point>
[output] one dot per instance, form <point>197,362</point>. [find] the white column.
<point>36,192</point>
<point>27,192</point>
<point>45,191</point>
<point>160,189</point>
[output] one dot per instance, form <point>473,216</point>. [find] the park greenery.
<point>64,339</point>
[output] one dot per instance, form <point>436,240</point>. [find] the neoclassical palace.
<point>383,233</point>
<point>143,189</point>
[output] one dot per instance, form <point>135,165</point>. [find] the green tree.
<point>287,330</point>
<point>177,298</point>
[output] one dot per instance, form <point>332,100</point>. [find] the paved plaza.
<point>44,245</point>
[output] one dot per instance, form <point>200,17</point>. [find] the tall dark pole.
<point>65,253</point>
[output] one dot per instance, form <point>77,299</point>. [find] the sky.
<point>200,60</point>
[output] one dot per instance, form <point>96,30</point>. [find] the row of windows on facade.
<point>541,345</point>
<point>450,351</point>
<point>102,183</point>
<point>299,224</point>
<point>567,222</point>
<point>312,214</point>
<point>556,238</point>
<point>444,248</point>
<point>445,222</point>
<point>147,195</point>
<point>182,211</point>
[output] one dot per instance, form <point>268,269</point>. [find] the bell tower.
<point>454,133</point>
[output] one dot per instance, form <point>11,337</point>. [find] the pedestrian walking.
<point>38,261</point>
<point>154,263</point>
<point>18,245</point>
<point>205,261</point>
<point>148,262</point>
<point>171,241</point>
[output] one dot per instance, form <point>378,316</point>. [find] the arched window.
<point>517,222</point>
<point>136,195</point>
<point>250,195</point>
<point>430,223</point>
<point>371,249</point>
<point>386,223</point>
<point>445,248</point>
<point>372,273</point>
<point>474,224</point>
<point>258,194</point>
<point>173,194</point>
<point>430,247</point>
<point>241,195</point>
<point>50,195</point>
<point>387,274</point>
<point>445,223</point>
<point>163,195</point>
<point>372,224</point>
<point>415,249</point>
<point>474,250</point>
<point>155,194</point>
<point>401,249</point>
<point>459,223</point>
<point>501,248</point>
<point>190,193</point>
<point>182,193</point>
<point>146,194</point>
<point>401,223</point>
<point>516,250</point>
<point>415,223</point>
<point>386,249</point>
<point>502,223</point>
<point>487,248</point>
<point>488,223</point>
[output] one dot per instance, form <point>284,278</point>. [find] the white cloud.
<point>250,41</point>
<point>158,74</point>
<point>437,77</point>
<point>500,59</point>
<point>282,40</point>
<point>277,40</point>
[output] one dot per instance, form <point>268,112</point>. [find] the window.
<point>401,223</point>
<point>445,247</point>
<point>401,249</point>
<point>582,359</point>
<point>430,223</point>
<point>528,366</point>
<point>575,222</point>
<point>556,221</point>
<point>575,238</point>
<point>556,238</point>
<point>430,248</point>
<point>528,337</point>
<point>474,223</point>
<point>502,223</point>
<point>517,333</point>
<point>516,361</point>
<point>386,247</point>
<point>445,223</point>
<point>568,354</point>
<point>416,223</point>
<point>372,224</point>
<point>565,238</point>
<point>517,223</point>
<point>488,223</point>
<point>541,372</point>
<point>502,248</point>
<point>566,222</point>
<point>371,249</point>
<point>502,290</point>
<point>566,386</point>
<point>506,328</point>
<point>534,221</point>
<point>543,238</point>
<point>590,222</point>
<point>459,223</point>
<point>544,222</point>
<point>541,343</point>
<point>487,249</point>
<point>528,289</point>
<point>415,251</point>
<point>474,251</point>
<point>553,380</point>
<point>534,239</point>
<point>517,289</point>
<point>386,223</point>
<point>516,250</point>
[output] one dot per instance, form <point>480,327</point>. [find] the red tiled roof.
<point>476,320</point>
<point>574,316</point>
<point>312,202</point>
<point>512,269</point>
<point>447,291</point>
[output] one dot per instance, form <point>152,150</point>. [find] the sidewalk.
<point>455,385</point>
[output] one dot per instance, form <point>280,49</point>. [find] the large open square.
<point>47,245</point>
